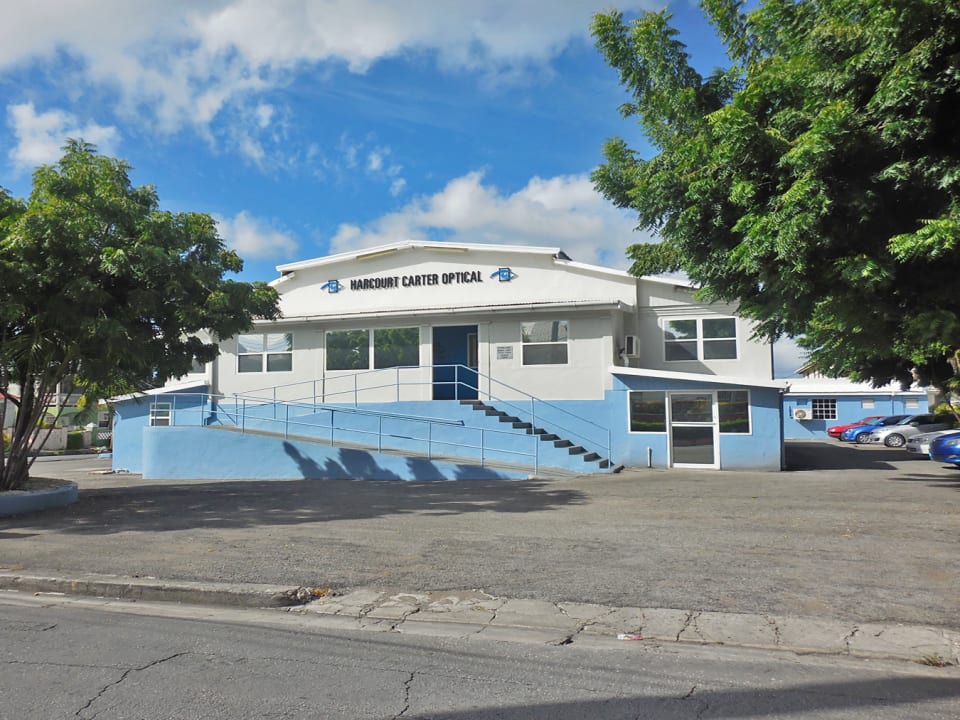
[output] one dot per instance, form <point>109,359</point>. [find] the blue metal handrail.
<point>604,440</point>
<point>211,403</point>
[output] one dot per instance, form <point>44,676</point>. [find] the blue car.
<point>946,449</point>
<point>861,433</point>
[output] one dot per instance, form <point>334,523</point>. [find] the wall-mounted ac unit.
<point>631,346</point>
<point>802,413</point>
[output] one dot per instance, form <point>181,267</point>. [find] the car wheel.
<point>894,440</point>
<point>862,438</point>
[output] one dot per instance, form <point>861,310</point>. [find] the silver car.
<point>896,435</point>
<point>920,444</point>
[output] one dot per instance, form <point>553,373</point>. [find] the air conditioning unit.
<point>802,413</point>
<point>631,346</point>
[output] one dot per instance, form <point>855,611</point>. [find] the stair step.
<point>590,457</point>
<point>576,450</point>
<point>617,468</point>
<point>536,431</point>
<point>604,463</point>
<point>549,436</point>
<point>493,412</point>
<point>562,443</point>
<point>522,426</point>
<point>474,403</point>
<point>509,418</point>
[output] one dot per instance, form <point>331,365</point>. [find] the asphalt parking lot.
<point>849,532</point>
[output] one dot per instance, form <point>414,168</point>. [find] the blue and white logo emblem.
<point>504,274</point>
<point>332,286</point>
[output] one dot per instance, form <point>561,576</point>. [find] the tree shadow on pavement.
<point>249,503</point>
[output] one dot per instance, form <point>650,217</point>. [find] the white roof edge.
<point>679,282</point>
<point>417,244</point>
<point>172,388</point>
<point>698,377</point>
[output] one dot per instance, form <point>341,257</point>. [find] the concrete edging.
<point>475,613</point>
<point>22,502</point>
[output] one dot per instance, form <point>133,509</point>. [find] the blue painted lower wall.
<point>193,448</point>
<point>849,409</point>
<point>190,453</point>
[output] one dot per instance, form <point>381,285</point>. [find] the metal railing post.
<point>429,441</point>
<point>286,422</point>
<point>379,433</point>
<point>173,411</point>
<point>482,446</point>
<point>243,417</point>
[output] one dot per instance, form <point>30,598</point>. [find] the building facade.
<point>421,336</point>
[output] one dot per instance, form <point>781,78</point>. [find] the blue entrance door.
<point>455,362</point>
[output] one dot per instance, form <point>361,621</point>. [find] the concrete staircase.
<point>560,444</point>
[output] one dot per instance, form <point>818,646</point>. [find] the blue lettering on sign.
<point>504,274</point>
<point>332,286</point>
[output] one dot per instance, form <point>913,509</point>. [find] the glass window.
<point>824,409</point>
<point>272,352</point>
<point>160,413</point>
<point>545,342</point>
<point>348,350</point>
<point>701,339</point>
<point>648,411</point>
<point>680,338</point>
<point>912,403</point>
<point>734,411</point>
<point>691,407</point>
<point>396,347</point>
<point>868,404</point>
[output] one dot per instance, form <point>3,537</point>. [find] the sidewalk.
<point>474,613</point>
<point>850,560</point>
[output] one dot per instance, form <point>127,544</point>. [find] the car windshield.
<point>893,420</point>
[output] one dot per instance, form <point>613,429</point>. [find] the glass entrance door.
<point>693,429</point>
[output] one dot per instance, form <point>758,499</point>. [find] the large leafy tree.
<point>815,181</point>
<point>102,288</point>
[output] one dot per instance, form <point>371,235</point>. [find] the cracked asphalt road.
<point>855,533</point>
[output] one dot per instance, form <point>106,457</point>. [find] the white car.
<point>920,444</point>
<point>896,435</point>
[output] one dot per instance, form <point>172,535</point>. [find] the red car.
<point>835,431</point>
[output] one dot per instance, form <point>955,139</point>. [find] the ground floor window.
<point>824,409</point>
<point>648,411</point>
<point>733,407</point>
<point>160,414</point>
<point>379,348</point>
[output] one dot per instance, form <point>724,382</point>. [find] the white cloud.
<point>180,62</point>
<point>254,238</point>
<point>563,212</point>
<point>41,136</point>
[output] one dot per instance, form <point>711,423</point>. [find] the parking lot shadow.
<point>821,455</point>
<point>250,503</point>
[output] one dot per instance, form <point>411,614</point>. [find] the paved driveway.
<point>851,532</point>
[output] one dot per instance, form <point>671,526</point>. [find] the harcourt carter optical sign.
<point>389,282</point>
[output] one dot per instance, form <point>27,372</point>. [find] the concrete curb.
<point>34,500</point>
<point>475,613</point>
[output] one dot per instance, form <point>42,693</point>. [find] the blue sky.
<point>315,126</point>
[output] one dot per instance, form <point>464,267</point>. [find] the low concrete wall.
<point>19,502</point>
<point>194,453</point>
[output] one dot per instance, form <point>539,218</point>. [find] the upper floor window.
<point>391,347</point>
<point>161,414</point>
<point>265,352</point>
<point>545,342</point>
<point>700,339</point>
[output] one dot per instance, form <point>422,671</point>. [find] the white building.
<point>600,364</point>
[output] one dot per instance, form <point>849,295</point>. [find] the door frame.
<point>714,424</point>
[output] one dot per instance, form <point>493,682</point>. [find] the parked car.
<point>835,431</point>
<point>946,449</point>
<point>860,433</point>
<point>920,444</point>
<point>895,436</point>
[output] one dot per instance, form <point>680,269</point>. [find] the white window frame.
<point>823,408</point>
<point>161,414</point>
<point>700,340</point>
<point>371,348</point>
<point>264,354</point>
<point>565,343</point>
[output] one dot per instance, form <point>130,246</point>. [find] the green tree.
<point>815,181</point>
<point>102,287</point>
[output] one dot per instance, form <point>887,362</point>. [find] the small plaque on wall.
<point>504,352</point>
